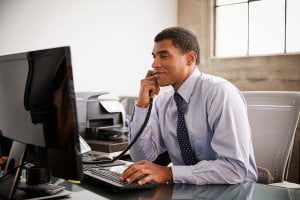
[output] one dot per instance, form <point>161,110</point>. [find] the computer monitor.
<point>38,107</point>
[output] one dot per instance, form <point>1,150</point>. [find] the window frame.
<point>207,45</point>
<point>247,55</point>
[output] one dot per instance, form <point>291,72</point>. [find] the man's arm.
<point>146,149</point>
<point>150,143</point>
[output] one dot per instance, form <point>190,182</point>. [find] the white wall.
<point>111,40</point>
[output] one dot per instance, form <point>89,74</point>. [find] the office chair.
<point>273,118</point>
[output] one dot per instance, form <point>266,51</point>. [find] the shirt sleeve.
<point>150,143</point>
<point>231,142</point>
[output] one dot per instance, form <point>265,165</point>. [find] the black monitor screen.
<point>38,107</point>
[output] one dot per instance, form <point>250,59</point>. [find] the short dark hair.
<point>182,39</point>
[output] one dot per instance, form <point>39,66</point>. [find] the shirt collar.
<point>186,89</point>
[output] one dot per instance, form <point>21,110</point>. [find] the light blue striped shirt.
<point>219,132</point>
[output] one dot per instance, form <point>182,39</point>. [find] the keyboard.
<point>105,176</point>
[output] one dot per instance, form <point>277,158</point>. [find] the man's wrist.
<point>170,175</point>
<point>141,105</point>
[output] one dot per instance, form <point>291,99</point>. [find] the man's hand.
<point>146,171</point>
<point>149,88</point>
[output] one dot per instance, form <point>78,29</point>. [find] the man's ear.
<point>191,58</point>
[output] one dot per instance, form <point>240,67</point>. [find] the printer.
<point>100,115</point>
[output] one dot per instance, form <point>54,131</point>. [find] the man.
<point>202,122</point>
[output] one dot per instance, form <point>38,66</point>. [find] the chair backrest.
<point>273,118</point>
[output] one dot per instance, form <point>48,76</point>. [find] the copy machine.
<point>101,119</point>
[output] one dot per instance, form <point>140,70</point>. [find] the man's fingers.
<point>150,89</point>
<point>149,73</point>
<point>149,83</point>
<point>145,180</point>
<point>154,91</point>
<point>131,170</point>
<point>138,174</point>
<point>135,176</point>
<point>127,173</point>
<point>150,79</point>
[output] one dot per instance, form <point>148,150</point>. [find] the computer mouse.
<point>103,158</point>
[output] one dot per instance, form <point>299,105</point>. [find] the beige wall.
<point>103,36</point>
<point>276,72</point>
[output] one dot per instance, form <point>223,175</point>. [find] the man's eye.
<point>163,55</point>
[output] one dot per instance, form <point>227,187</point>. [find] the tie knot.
<point>179,102</point>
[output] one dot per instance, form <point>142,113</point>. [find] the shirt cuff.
<point>139,110</point>
<point>182,174</point>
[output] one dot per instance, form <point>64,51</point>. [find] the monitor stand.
<point>15,159</point>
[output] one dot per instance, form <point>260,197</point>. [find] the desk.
<point>89,190</point>
<point>249,191</point>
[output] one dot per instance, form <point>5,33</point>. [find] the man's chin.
<point>163,82</point>
<point>160,84</point>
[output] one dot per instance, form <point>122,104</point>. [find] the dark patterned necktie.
<point>188,155</point>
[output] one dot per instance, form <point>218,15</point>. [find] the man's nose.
<point>156,63</point>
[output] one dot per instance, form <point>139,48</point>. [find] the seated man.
<point>202,121</point>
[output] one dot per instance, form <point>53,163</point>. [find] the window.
<point>256,27</point>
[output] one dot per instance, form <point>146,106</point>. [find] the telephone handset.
<point>131,143</point>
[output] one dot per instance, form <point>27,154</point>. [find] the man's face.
<point>170,64</point>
